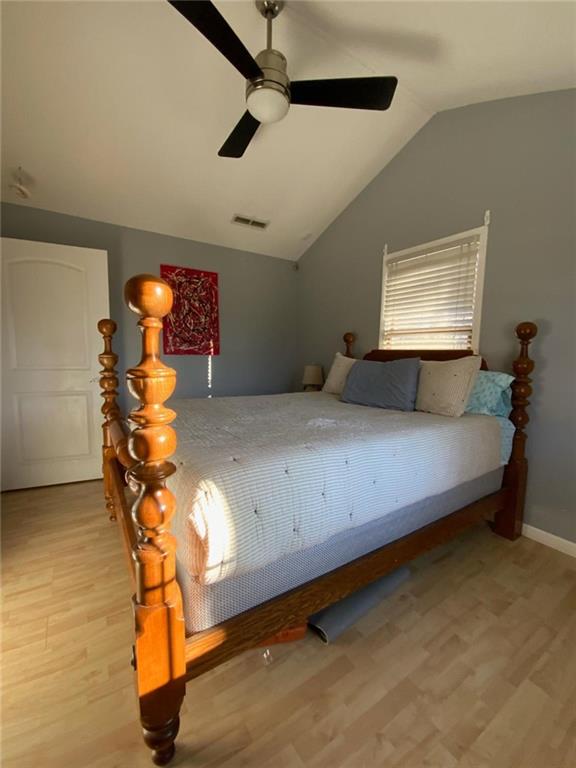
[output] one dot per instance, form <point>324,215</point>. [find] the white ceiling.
<point>117,109</point>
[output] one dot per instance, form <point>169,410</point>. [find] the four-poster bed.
<point>164,657</point>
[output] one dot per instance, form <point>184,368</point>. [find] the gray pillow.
<point>383,385</point>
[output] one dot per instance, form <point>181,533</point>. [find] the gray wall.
<point>257,298</point>
<point>516,157</point>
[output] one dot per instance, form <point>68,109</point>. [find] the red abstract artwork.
<point>192,328</point>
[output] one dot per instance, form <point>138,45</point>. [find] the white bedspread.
<point>259,477</point>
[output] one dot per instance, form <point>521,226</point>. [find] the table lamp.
<point>313,378</point>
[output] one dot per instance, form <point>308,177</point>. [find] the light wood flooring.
<point>472,664</point>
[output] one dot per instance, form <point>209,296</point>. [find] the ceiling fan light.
<point>267,105</point>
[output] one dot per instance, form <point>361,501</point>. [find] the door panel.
<point>35,323</point>
<point>39,417</point>
<point>52,298</point>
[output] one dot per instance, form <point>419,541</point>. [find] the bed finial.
<point>349,338</point>
<point>148,296</point>
<point>160,661</point>
<point>508,522</point>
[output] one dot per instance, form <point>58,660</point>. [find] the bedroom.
<point>113,117</point>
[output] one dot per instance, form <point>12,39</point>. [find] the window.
<point>432,294</point>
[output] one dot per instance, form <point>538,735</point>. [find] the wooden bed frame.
<point>163,657</point>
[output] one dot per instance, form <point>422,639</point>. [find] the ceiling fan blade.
<point>236,144</point>
<point>350,92</point>
<point>208,20</point>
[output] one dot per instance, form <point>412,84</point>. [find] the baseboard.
<point>549,539</point>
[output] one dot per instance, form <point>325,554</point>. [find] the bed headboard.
<point>385,355</point>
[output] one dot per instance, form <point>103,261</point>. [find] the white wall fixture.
<point>18,185</point>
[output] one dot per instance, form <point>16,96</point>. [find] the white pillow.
<point>444,387</point>
<point>339,371</point>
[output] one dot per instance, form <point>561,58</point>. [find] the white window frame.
<point>482,233</point>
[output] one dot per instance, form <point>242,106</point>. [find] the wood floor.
<point>472,664</point>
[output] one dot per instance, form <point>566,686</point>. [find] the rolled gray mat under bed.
<point>331,622</point>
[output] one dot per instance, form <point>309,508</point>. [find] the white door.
<point>52,298</point>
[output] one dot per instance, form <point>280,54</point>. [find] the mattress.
<point>207,605</point>
<point>262,478</point>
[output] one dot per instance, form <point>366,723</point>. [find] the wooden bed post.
<point>349,338</point>
<point>110,409</point>
<point>160,635</point>
<point>508,522</point>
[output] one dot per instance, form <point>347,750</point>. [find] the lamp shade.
<point>313,376</point>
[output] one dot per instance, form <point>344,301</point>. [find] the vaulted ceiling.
<point>116,110</point>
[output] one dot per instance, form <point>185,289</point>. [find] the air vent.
<point>248,221</point>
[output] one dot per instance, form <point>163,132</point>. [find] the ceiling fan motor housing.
<point>268,97</point>
<point>269,92</point>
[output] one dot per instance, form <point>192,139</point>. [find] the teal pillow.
<point>491,394</point>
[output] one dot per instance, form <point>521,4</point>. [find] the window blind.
<point>429,297</point>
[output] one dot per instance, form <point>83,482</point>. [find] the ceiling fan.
<point>269,92</point>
